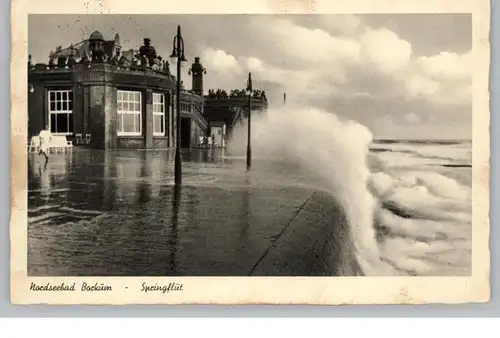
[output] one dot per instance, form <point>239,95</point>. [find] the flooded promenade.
<point>117,213</point>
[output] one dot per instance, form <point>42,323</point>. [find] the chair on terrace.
<point>34,145</point>
<point>79,139</point>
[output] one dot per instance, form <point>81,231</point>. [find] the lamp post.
<point>249,140</point>
<point>178,52</point>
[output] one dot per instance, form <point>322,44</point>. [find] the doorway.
<point>185,132</point>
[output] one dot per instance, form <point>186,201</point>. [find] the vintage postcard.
<point>250,152</point>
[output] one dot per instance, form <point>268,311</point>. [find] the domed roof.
<point>96,36</point>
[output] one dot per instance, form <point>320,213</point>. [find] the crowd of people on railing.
<point>222,94</point>
<point>139,61</point>
<point>146,57</point>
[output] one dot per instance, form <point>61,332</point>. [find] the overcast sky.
<point>401,75</point>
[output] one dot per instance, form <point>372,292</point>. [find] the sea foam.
<point>413,222</point>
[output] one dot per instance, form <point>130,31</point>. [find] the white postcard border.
<point>256,290</point>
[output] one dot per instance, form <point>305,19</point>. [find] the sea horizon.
<point>421,141</point>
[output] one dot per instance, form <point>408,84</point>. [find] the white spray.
<point>333,151</point>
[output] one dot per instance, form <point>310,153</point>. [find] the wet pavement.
<point>117,213</point>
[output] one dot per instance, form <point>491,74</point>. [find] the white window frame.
<point>157,103</point>
<point>69,96</point>
<point>122,112</point>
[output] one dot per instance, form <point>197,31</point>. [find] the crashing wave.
<point>414,222</point>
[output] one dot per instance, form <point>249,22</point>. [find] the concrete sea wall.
<point>316,242</point>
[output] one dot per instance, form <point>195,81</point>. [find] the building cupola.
<point>96,46</point>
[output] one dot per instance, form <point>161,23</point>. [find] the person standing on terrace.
<point>45,138</point>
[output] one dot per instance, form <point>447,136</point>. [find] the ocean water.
<point>408,202</point>
<point>423,216</point>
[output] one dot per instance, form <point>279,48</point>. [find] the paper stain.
<point>292,6</point>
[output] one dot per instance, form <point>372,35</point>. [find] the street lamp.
<point>178,52</point>
<point>249,140</point>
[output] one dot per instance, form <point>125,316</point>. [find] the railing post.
<point>249,140</point>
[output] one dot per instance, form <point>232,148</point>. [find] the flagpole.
<point>249,146</point>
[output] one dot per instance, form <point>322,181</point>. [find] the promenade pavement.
<point>102,214</point>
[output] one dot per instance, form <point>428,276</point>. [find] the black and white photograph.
<point>294,144</point>
<point>249,145</point>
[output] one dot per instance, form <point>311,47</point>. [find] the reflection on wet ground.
<point>105,213</point>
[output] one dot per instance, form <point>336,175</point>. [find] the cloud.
<point>312,64</point>
<point>345,24</point>
<point>453,95</point>
<point>385,50</point>
<point>444,79</point>
<point>420,85</point>
<point>412,118</point>
<point>219,61</point>
<point>310,45</point>
<point>447,66</point>
<point>254,64</point>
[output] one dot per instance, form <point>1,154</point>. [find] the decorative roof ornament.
<point>117,40</point>
<point>52,58</point>
<point>197,68</point>
<point>147,51</point>
<point>96,36</point>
